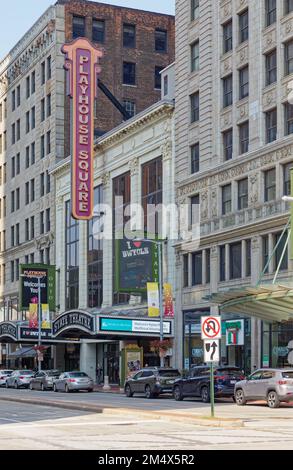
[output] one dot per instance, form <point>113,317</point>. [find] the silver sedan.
<point>70,381</point>
<point>19,378</point>
<point>3,376</point>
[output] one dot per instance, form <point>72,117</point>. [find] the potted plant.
<point>161,347</point>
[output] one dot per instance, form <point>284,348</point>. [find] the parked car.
<point>3,376</point>
<point>197,384</point>
<point>151,381</point>
<point>43,380</point>
<point>70,381</point>
<point>19,378</point>
<point>273,385</point>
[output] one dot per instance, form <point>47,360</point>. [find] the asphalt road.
<point>33,427</point>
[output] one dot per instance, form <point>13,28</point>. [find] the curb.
<point>182,418</point>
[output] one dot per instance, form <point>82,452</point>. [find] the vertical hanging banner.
<point>82,65</point>
<point>153,299</point>
<point>169,306</point>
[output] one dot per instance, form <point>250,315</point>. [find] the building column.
<point>88,358</point>
<point>83,269</point>
<point>107,243</point>
<point>255,322</point>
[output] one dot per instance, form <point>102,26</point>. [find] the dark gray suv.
<point>151,381</point>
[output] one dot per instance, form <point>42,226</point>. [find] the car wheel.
<point>148,392</point>
<point>205,395</point>
<point>128,391</point>
<point>273,399</point>
<point>66,388</point>
<point>31,386</point>
<point>90,390</point>
<point>239,397</point>
<point>55,388</point>
<point>15,385</point>
<point>177,394</point>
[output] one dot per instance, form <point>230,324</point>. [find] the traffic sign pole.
<point>212,390</point>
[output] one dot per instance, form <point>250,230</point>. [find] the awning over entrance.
<point>24,352</point>
<point>273,303</point>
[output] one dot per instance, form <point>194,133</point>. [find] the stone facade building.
<point>233,156</point>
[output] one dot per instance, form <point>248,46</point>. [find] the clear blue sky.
<point>19,15</point>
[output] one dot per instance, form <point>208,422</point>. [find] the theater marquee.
<point>82,64</point>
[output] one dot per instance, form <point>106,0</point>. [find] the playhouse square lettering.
<point>83,133</point>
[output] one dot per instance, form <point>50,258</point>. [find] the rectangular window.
<point>243,26</point>
<point>152,191</point>
<point>243,137</point>
<point>228,37</point>
<point>270,185</point>
<point>33,118</point>
<point>248,258</point>
<point>12,209</point>
<point>17,194</point>
<point>95,257</point>
<point>243,83</point>
<point>32,190</point>
<point>226,199</point>
<point>288,6</point>
<point>279,251</point>
<point>33,83</point>
<point>289,58</point>
<point>43,146</point>
<point>129,107</point>
<point>18,164</point>
<point>78,27</point>
<point>12,271</point>
<point>27,234</point>
<point>271,67</point>
<point>18,96</point>
<point>194,153</point>
<point>194,107</point>
<point>12,241</point>
<point>27,197</point>
<point>235,261</point>
<point>17,269</point>
<point>271,12</point>
<point>243,194</point>
<point>27,122</point>
<point>72,259</point>
<point>33,153</point>
<point>28,87</point>
<point>17,233</point>
<point>12,101</point>
<point>49,68</point>
<point>228,144</point>
<point>13,135</point>
<point>32,227</point>
<point>98,31</point>
<point>161,40</point>
<point>197,269</point>
<point>48,220</point>
<point>158,80</point>
<point>48,183</point>
<point>43,110</point>
<point>287,178</point>
<point>27,157</point>
<point>128,73</point>
<point>49,110</point>
<point>42,223</point>
<point>194,203</point>
<point>227,91</point>
<point>48,142</point>
<point>42,184</point>
<point>13,167</point>
<point>185,270</point>
<point>222,263</point>
<point>43,73</point>
<point>208,266</point>
<point>194,57</point>
<point>288,118</point>
<point>128,35</point>
<point>271,125</point>
<point>194,9</point>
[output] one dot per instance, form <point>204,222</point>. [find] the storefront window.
<point>72,261</point>
<point>275,340</point>
<point>95,256</point>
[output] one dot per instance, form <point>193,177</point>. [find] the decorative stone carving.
<point>106,178</point>
<point>253,180</point>
<point>204,204</point>
<point>214,203</point>
<point>133,166</point>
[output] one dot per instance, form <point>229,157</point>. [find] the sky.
<point>19,15</point>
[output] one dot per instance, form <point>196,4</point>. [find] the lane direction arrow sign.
<point>211,351</point>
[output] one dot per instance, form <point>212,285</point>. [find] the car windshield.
<point>6,372</point>
<point>169,373</point>
<point>26,372</point>
<point>78,374</point>
<point>287,375</point>
<point>53,373</point>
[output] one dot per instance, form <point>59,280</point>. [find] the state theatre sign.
<point>82,64</point>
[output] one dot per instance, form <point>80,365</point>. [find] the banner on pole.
<point>169,306</point>
<point>153,299</point>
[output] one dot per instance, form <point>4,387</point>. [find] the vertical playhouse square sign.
<point>82,64</point>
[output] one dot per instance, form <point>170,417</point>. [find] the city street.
<point>39,427</point>
<point>166,426</point>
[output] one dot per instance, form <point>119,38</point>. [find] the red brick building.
<point>137,46</point>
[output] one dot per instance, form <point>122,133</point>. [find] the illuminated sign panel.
<point>82,64</point>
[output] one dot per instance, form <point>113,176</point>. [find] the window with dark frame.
<point>288,6</point>
<point>161,40</point>
<point>288,118</point>
<point>271,67</point>
<point>185,270</point>
<point>129,38</point>
<point>130,107</point>
<point>236,260</point>
<point>152,191</point>
<point>222,267</point>
<point>228,144</point>
<point>287,178</point>
<point>78,27</point>
<point>194,155</point>
<point>248,259</point>
<point>270,185</point>
<point>227,37</point>
<point>281,250</point>
<point>243,194</point>
<point>244,137</point>
<point>129,73</point>
<point>289,58</point>
<point>72,259</point>
<point>194,56</point>
<point>194,107</point>
<point>158,78</point>
<point>227,91</point>
<point>95,257</point>
<point>243,82</point>
<point>243,26</point>
<point>194,203</point>
<point>98,32</point>
<point>196,260</point>
<point>271,125</point>
<point>226,199</point>
<point>194,9</point>
<point>271,11</point>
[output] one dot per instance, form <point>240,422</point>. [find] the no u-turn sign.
<point>211,328</point>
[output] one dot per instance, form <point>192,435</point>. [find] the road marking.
<point>79,423</point>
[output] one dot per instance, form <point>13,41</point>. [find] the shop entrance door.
<point>112,358</point>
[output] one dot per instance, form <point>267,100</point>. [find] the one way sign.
<point>211,351</point>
